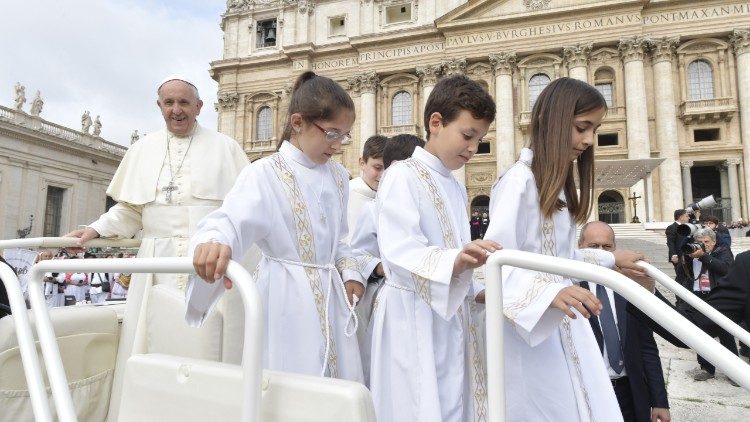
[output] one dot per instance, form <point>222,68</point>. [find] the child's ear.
<point>435,122</point>
<point>362,162</point>
<point>296,121</point>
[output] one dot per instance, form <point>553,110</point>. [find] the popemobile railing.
<point>631,291</point>
<point>27,349</point>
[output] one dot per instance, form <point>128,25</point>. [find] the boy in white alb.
<point>362,189</point>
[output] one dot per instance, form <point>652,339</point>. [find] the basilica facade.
<point>675,75</point>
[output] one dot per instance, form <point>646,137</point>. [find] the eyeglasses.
<point>334,136</point>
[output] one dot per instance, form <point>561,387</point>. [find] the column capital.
<point>664,48</point>
<point>429,74</point>
<point>504,63</point>
<point>577,55</point>
<point>454,67</point>
<point>740,40</point>
<point>228,100</point>
<point>686,165</point>
<point>633,48</point>
<point>733,161</point>
<point>364,83</point>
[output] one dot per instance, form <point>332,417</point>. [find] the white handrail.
<point>699,304</point>
<point>67,242</point>
<point>31,367</point>
<point>252,351</point>
<point>632,292</point>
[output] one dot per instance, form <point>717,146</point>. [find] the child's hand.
<point>625,259</point>
<point>479,298</point>
<point>210,261</point>
<point>579,298</point>
<point>354,288</point>
<point>474,255</point>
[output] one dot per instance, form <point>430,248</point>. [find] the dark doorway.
<point>611,207</point>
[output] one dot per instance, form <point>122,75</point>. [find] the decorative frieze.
<point>454,67</point>
<point>364,83</point>
<point>228,101</point>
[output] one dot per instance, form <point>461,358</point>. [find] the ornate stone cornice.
<point>536,4</point>
<point>364,82</point>
<point>454,67</point>
<point>633,48</point>
<point>740,40</point>
<point>504,63</point>
<point>577,55</point>
<point>686,164</point>
<point>429,74</point>
<point>228,101</point>
<point>663,49</point>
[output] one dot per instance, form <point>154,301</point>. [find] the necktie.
<point>609,330</point>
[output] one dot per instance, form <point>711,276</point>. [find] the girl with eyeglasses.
<point>292,204</point>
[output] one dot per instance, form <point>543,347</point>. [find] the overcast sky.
<point>107,56</point>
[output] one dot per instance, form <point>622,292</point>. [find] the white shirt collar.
<point>431,160</point>
<point>526,156</point>
<point>290,151</point>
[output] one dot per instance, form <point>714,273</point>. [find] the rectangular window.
<point>337,26</point>
<point>706,135</point>
<point>484,148</point>
<point>53,211</point>
<point>397,14</point>
<point>265,33</point>
<point>606,91</point>
<point>606,139</point>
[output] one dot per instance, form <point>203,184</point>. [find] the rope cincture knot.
<point>331,268</point>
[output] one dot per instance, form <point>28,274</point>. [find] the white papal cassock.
<point>425,350</point>
<point>295,210</point>
<point>212,164</point>
<point>553,368</point>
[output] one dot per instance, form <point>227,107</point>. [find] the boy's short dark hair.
<point>400,147</point>
<point>454,94</point>
<point>712,219</point>
<point>679,213</point>
<point>374,146</point>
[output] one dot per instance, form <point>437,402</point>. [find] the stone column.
<point>687,183</point>
<point>505,130</point>
<point>456,67</point>
<point>632,50</point>
<point>368,16</point>
<point>734,188</point>
<point>724,179</point>
<point>366,84</point>
<point>666,127</point>
<point>740,41</point>
<point>577,59</point>
<point>428,75</point>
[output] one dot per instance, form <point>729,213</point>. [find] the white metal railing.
<point>699,304</point>
<point>252,351</point>
<point>27,349</point>
<point>632,292</point>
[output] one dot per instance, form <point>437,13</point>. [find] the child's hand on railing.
<point>625,259</point>
<point>645,281</point>
<point>578,298</point>
<point>474,255</point>
<point>210,261</point>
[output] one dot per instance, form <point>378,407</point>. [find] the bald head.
<point>597,235</point>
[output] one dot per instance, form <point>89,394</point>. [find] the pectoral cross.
<point>169,189</point>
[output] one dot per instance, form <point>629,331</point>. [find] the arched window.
<point>263,126</point>
<point>537,83</point>
<point>401,109</point>
<point>604,83</point>
<point>611,207</point>
<point>700,80</point>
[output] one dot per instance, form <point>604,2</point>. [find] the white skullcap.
<point>176,77</point>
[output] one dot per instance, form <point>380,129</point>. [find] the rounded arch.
<point>480,201</point>
<point>537,83</point>
<point>401,109</point>
<point>611,207</point>
<point>700,74</point>
<point>264,124</point>
<point>604,82</point>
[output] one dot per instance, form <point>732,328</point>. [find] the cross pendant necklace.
<point>171,187</point>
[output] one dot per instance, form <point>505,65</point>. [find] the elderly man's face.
<point>708,243</point>
<point>598,236</point>
<point>179,106</point>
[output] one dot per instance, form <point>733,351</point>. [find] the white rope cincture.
<point>331,269</point>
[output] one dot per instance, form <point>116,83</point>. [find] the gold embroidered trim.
<point>346,263</point>
<point>577,364</point>
<point>424,272</point>
<point>433,192</point>
<point>590,256</point>
<point>363,261</point>
<point>479,383</point>
<point>305,247</point>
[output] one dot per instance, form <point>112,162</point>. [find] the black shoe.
<point>703,376</point>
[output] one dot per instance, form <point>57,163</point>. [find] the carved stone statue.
<point>97,126</point>
<point>20,96</point>
<point>37,104</point>
<point>134,137</point>
<point>86,122</point>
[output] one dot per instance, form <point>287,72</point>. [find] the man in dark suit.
<point>675,241</point>
<point>635,369</point>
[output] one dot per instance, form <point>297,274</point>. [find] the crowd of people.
<point>374,283</point>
